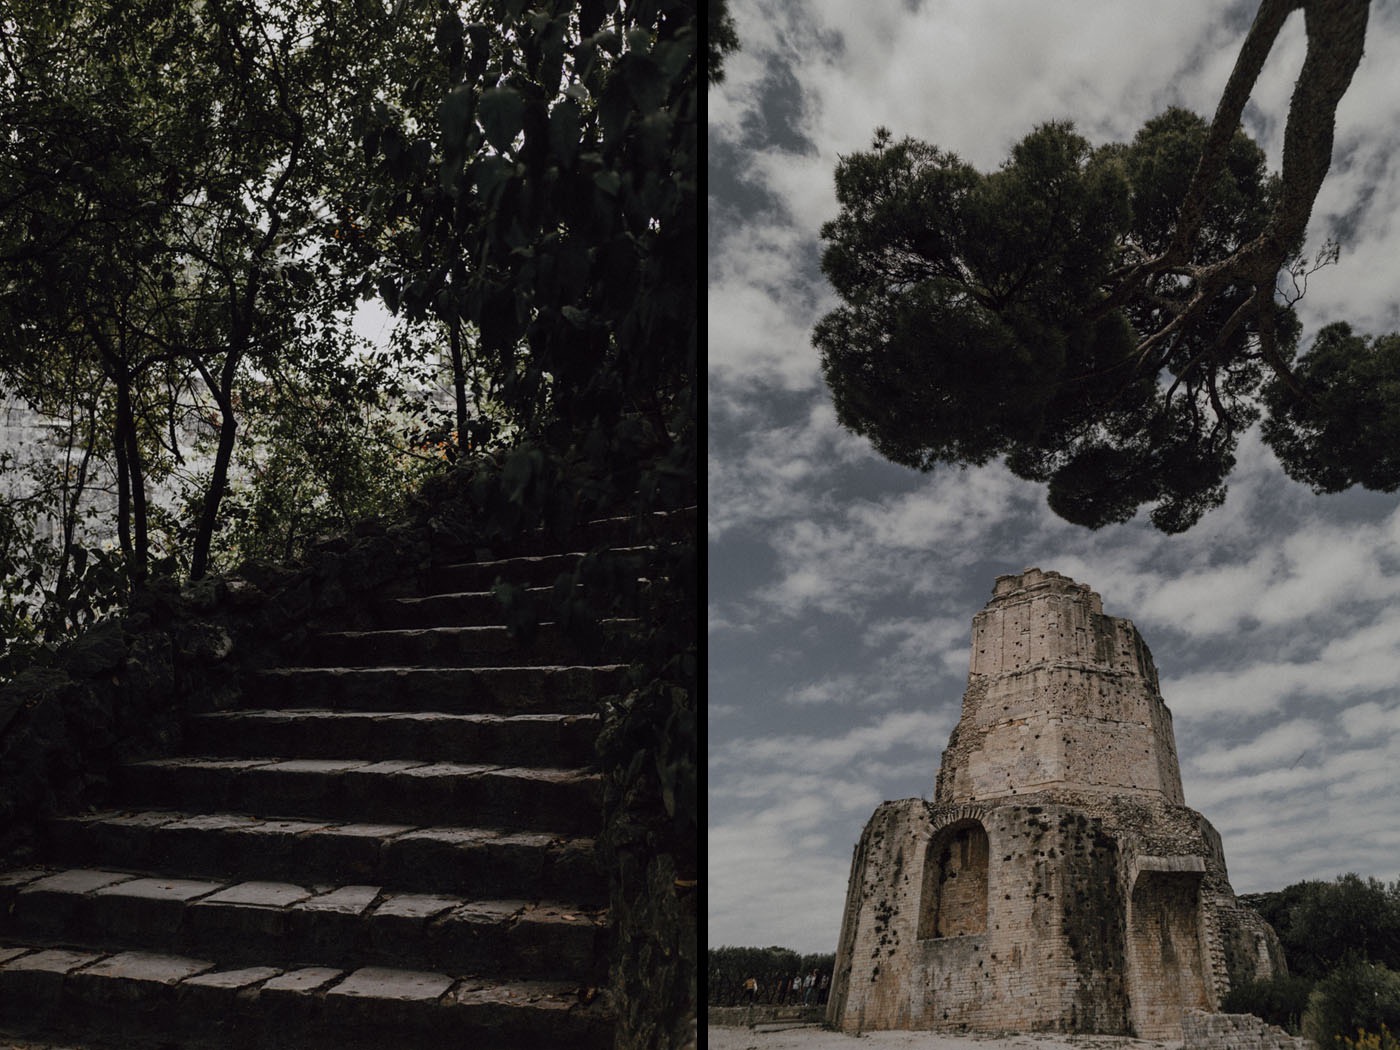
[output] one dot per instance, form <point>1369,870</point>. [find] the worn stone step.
<point>456,647</point>
<point>572,689</point>
<point>207,1003</point>
<point>567,801</point>
<point>534,570</point>
<point>517,740</point>
<point>462,608</point>
<point>466,861</point>
<point>626,531</point>
<point>286,923</point>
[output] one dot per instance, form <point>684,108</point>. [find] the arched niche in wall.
<point>954,901</point>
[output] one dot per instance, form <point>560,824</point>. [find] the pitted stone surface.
<point>373,982</point>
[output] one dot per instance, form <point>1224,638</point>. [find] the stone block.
<point>346,900</point>
<point>49,960</point>
<point>143,907</point>
<point>275,895</point>
<point>76,881</point>
<point>37,977</point>
<point>414,907</point>
<point>388,985</point>
<point>130,976</point>
<point>302,982</point>
<point>233,980</point>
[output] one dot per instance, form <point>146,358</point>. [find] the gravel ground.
<point>774,1037</point>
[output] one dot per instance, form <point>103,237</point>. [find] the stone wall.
<point>1058,695</point>
<point>1205,1031</point>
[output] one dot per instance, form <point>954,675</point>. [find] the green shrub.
<point>1280,1000</point>
<point>1355,998</point>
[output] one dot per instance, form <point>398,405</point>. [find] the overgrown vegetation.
<point>773,969</point>
<point>1342,943</point>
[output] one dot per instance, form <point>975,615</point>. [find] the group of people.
<point>808,989</point>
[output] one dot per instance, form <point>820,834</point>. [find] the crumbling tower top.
<point>1059,697</point>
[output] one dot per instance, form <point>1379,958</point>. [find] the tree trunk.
<point>222,389</point>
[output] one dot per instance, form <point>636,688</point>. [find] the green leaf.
<point>564,131</point>
<point>502,116</point>
<point>492,174</point>
<point>455,115</point>
<point>608,181</point>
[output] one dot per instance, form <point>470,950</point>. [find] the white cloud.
<point>1282,744</point>
<point>893,730</point>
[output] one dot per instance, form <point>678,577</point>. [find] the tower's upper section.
<point>1059,696</point>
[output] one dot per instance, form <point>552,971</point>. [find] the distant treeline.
<point>1342,942</point>
<point>778,973</point>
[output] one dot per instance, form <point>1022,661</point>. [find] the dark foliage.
<point>975,323</point>
<point>1322,923</point>
<point>1107,319</point>
<point>1282,1000</point>
<point>773,968</point>
<point>1357,997</point>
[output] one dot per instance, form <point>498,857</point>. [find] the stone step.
<point>567,801</point>
<point>462,608</point>
<point>539,570</point>
<point>536,570</point>
<point>569,689</point>
<point>454,647</point>
<point>623,531</point>
<point>465,861</point>
<point>517,740</point>
<point>206,1003</point>
<point>286,924</point>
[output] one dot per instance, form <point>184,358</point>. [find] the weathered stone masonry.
<point>1057,881</point>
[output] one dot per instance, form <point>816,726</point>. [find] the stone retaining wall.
<point>748,1016</point>
<point>1203,1031</point>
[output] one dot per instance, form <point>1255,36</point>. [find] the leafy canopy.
<point>1109,319</point>
<point>971,328</point>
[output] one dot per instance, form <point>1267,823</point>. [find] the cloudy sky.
<point>841,587</point>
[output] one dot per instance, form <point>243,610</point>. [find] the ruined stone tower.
<point>1057,881</point>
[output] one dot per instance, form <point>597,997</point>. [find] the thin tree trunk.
<point>222,389</point>
<point>459,379</point>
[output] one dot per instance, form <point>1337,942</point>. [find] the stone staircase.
<point>389,844</point>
